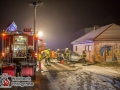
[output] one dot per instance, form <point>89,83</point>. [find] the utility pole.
<point>35,4</point>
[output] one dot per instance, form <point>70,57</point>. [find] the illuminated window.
<point>19,46</point>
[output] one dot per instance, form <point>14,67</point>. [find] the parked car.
<point>74,57</point>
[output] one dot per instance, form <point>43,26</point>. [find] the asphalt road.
<point>79,78</point>
<point>40,83</point>
<point>62,77</point>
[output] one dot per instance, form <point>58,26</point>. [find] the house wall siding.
<point>105,46</point>
<point>113,54</point>
<point>89,54</point>
<point>94,55</point>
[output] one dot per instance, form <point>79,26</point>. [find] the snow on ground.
<point>87,78</point>
<point>83,80</point>
<point>101,70</point>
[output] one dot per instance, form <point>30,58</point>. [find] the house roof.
<point>89,37</point>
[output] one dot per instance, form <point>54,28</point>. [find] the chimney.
<point>96,27</point>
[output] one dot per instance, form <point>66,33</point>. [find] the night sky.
<point>60,19</point>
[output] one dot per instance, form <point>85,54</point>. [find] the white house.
<point>102,44</point>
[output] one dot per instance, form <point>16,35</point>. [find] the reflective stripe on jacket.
<point>67,55</point>
<point>47,53</point>
<point>83,54</point>
<point>58,54</point>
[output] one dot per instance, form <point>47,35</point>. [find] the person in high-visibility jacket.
<point>58,55</point>
<point>83,57</point>
<point>53,56</point>
<point>47,56</point>
<point>67,55</point>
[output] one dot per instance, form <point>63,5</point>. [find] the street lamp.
<point>40,34</point>
<point>35,4</point>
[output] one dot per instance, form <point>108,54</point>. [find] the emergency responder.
<point>47,56</point>
<point>58,54</point>
<point>19,52</point>
<point>53,56</point>
<point>83,57</point>
<point>67,55</point>
<point>29,53</point>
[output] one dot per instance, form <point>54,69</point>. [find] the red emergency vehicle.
<point>18,51</point>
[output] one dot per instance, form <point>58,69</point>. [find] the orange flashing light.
<point>3,54</point>
<point>36,37</point>
<point>3,34</point>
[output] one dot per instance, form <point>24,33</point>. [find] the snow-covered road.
<point>83,78</point>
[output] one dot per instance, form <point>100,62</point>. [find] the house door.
<point>108,56</point>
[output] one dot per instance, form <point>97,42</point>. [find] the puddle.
<point>114,81</point>
<point>117,82</point>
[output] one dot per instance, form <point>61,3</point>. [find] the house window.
<point>87,47</point>
<point>76,48</point>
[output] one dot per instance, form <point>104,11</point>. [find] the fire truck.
<point>18,51</point>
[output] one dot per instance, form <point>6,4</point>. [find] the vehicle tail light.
<point>3,54</point>
<point>3,34</point>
